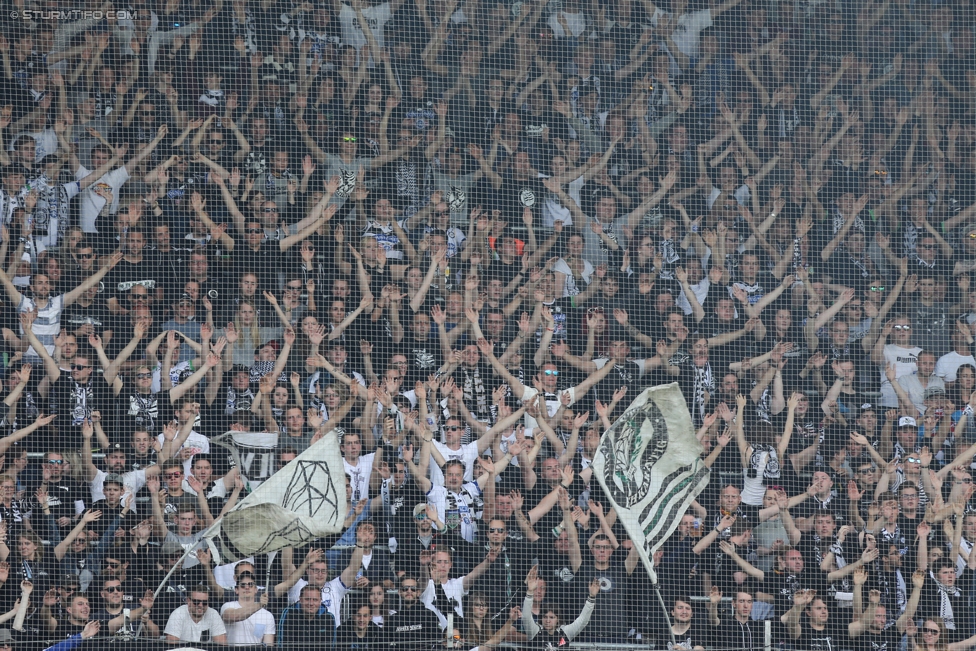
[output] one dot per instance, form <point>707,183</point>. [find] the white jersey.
<point>47,325</point>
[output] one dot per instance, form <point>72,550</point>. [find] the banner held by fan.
<point>649,465</point>
<point>304,500</point>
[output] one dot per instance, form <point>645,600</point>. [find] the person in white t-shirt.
<point>196,621</point>
<point>91,202</point>
<point>899,353</point>
<point>689,24</point>
<point>47,321</point>
<point>960,354</point>
<point>247,619</point>
<point>377,15</point>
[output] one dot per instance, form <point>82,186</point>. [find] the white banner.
<point>649,465</point>
<point>304,500</point>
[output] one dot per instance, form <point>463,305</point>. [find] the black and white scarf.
<point>212,98</point>
<point>945,602</point>
<point>703,382</point>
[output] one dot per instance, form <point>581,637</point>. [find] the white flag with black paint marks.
<point>304,500</point>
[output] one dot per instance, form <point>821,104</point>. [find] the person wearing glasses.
<point>113,604</point>
<point>900,353</point>
<point>413,626</point>
<point>935,637</point>
<point>196,621</point>
<point>459,504</point>
<point>548,378</point>
<point>247,619</point>
<point>66,497</point>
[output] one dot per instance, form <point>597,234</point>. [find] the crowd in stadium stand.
<point>459,237</point>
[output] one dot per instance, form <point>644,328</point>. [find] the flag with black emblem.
<point>303,501</point>
<point>649,465</point>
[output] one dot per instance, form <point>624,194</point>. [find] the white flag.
<point>304,500</point>
<point>649,465</point>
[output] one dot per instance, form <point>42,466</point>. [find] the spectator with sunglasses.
<point>66,497</point>
<point>412,625</point>
<point>111,613</point>
<point>247,619</point>
<point>196,621</point>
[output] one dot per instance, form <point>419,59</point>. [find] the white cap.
<point>907,421</point>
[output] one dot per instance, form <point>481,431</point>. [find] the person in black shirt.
<point>817,632</point>
<point>308,621</point>
<point>66,497</point>
<point>738,630</point>
<point>552,633</point>
<point>74,397</point>
<point>614,579</point>
<point>413,626</point>
<point>359,632</point>
<point>872,626</point>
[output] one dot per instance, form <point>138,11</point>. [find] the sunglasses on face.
<point>245,585</point>
<point>254,231</point>
<point>420,517</point>
<point>144,376</point>
<point>270,210</point>
<point>86,256</point>
<point>452,428</point>
<point>902,327</point>
<point>79,367</point>
<point>553,373</point>
<point>409,588</point>
<point>497,530</point>
<point>55,462</point>
<point>348,139</point>
<point>113,588</point>
<point>198,602</point>
<point>877,288</point>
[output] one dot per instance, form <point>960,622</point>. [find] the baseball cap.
<point>907,421</point>
<point>113,478</point>
<point>6,637</point>
<point>931,392</point>
<point>420,508</point>
<point>171,548</point>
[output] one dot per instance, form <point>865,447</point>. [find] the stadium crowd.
<point>461,236</point>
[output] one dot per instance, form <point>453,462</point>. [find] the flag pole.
<point>664,609</point>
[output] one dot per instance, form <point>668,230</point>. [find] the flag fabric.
<point>649,465</point>
<point>304,500</point>
<point>253,453</point>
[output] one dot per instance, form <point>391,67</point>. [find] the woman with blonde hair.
<point>250,334</point>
